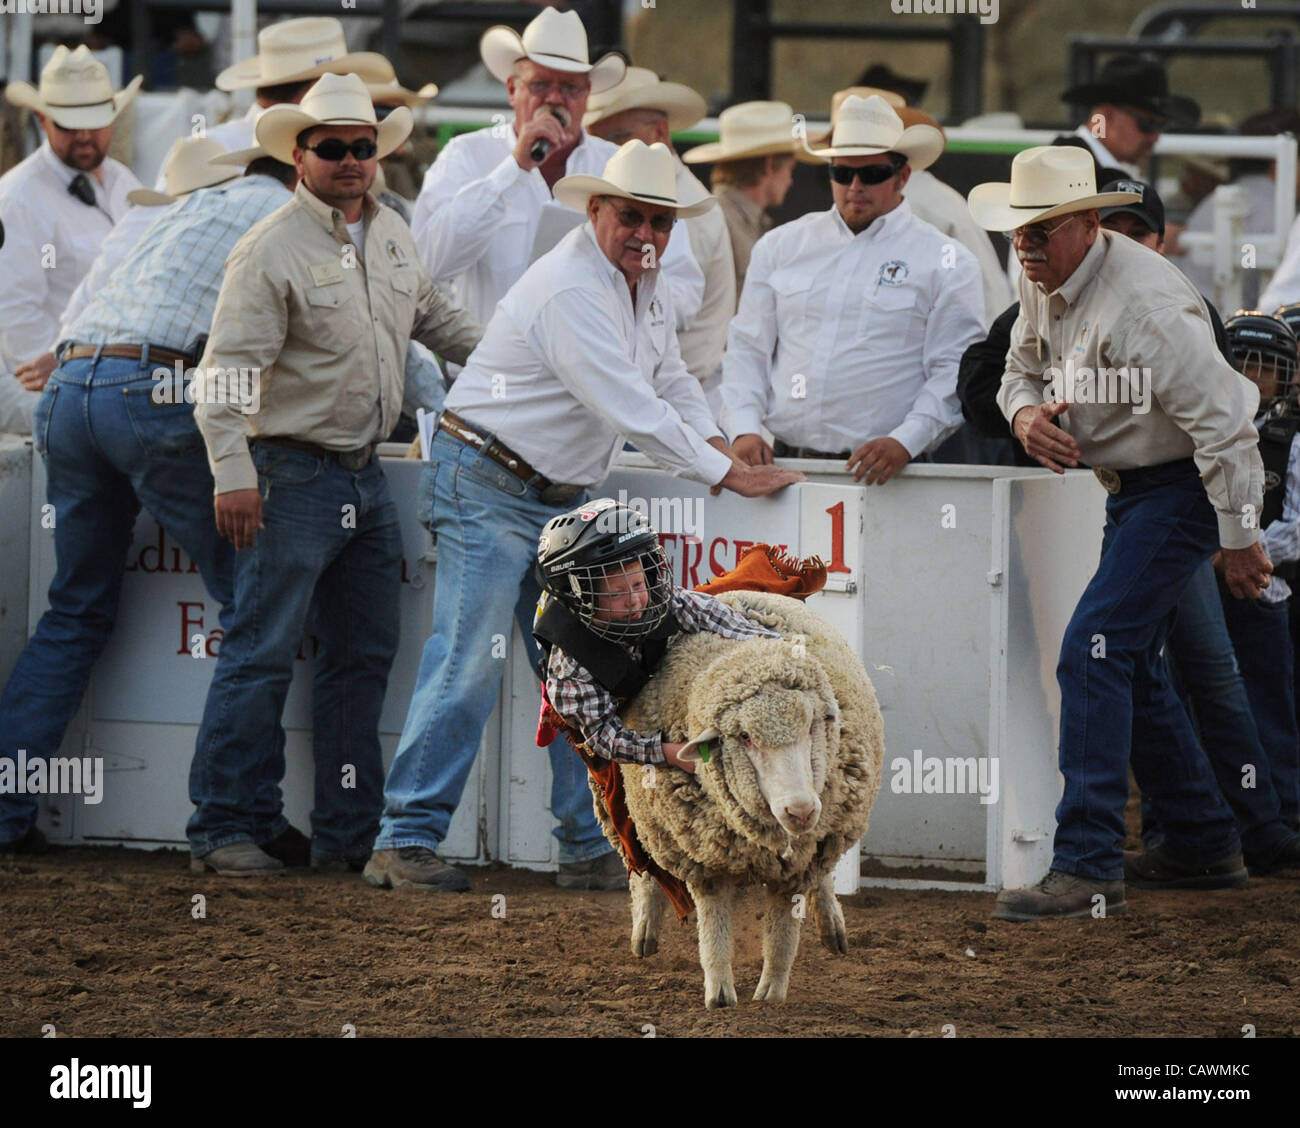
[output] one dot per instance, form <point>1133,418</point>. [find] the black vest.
<point>608,663</point>
<point>1275,449</point>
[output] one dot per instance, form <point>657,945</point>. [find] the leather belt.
<point>784,450</point>
<point>552,493</point>
<point>1117,481</point>
<point>126,352</point>
<point>353,460</point>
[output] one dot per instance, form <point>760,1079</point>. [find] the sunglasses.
<point>868,174</point>
<point>332,149</point>
<point>632,219</point>
<point>1037,234</point>
<point>569,91</point>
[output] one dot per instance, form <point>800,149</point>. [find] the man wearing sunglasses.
<point>1128,107</point>
<point>483,201</point>
<point>318,303</point>
<point>1113,364</point>
<point>852,321</point>
<point>579,356</point>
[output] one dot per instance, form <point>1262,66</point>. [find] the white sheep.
<point>786,789</point>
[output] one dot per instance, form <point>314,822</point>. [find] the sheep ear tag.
<point>698,749</point>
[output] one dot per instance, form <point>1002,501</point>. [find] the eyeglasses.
<point>569,91</point>
<point>332,149</point>
<point>1036,234</point>
<point>632,219</point>
<point>1144,122</point>
<point>868,174</point>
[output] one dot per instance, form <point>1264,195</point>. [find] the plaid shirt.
<point>593,710</point>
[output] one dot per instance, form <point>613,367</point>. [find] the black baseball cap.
<point>1150,211</point>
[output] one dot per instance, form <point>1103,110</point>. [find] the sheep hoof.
<point>721,996</point>
<point>770,991</point>
<point>836,941</point>
<point>643,946</point>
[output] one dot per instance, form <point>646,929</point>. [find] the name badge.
<point>326,273</point>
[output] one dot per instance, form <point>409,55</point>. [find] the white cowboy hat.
<point>749,129</point>
<point>187,167</point>
<point>636,172</point>
<point>390,92</point>
<point>642,90</point>
<point>907,114</point>
<point>867,126</point>
<point>75,91</point>
<point>335,99</point>
<point>554,39</point>
<point>296,50</point>
<point>1046,181</point>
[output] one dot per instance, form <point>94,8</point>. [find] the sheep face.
<point>776,736</point>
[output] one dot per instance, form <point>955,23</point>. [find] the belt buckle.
<point>1109,478</point>
<point>355,460</point>
<point>557,493</point>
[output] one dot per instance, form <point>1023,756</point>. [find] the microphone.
<point>542,147</point>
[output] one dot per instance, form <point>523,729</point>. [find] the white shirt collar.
<point>886,224</point>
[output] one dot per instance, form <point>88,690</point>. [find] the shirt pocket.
<point>896,306</point>
<point>793,293</point>
<point>333,318</point>
<point>404,286</point>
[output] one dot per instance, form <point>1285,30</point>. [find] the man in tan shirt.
<point>753,168</point>
<point>1113,362</point>
<point>311,330</point>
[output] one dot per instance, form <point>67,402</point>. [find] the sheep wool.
<point>715,827</point>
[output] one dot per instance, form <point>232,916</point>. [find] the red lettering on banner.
<point>740,550</point>
<point>690,568</point>
<point>187,622</point>
<point>152,558</point>
<point>837,539</point>
<point>716,566</point>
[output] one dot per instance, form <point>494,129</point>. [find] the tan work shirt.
<point>746,224</point>
<point>1128,342</point>
<point>323,329</point>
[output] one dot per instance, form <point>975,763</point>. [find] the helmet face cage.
<point>587,591</point>
<point>1264,351</point>
<point>1263,367</point>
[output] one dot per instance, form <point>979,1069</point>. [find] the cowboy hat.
<point>748,129</point>
<point>187,167</point>
<point>867,126</point>
<point>641,89</point>
<point>335,99</point>
<point>394,92</point>
<point>554,39</point>
<point>75,91</point>
<point>882,76</point>
<point>296,50</point>
<point>636,172</point>
<point>908,115</point>
<point>1046,181</point>
<point>1132,80</point>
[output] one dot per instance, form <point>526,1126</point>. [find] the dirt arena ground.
<point>102,941</point>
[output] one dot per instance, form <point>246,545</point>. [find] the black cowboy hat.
<point>1137,81</point>
<point>883,77</point>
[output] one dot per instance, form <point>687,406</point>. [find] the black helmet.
<point>1264,342</point>
<point>581,549</point>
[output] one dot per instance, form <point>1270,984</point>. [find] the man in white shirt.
<point>644,109</point>
<point>477,216</point>
<point>57,207</point>
<point>579,356</point>
<point>853,321</point>
<point>1129,105</point>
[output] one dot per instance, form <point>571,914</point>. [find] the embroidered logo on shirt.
<point>892,273</point>
<point>395,253</point>
<point>656,313</point>
<point>326,273</point>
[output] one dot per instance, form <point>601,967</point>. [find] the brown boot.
<point>1158,869</point>
<point>414,866</point>
<point>1062,896</point>
<point>606,872</point>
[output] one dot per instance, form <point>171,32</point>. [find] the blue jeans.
<point>1200,654</point>
<point>1261,635</point>
<point>108,449</point>
<point>1115,693</point>
<point>487,523</point>
<point>332,544</point>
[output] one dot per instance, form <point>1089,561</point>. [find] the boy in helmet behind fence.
<point>608,610</point>
<point>1264,349</point>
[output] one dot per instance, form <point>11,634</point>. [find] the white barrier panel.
<point>954,583</point>
<point>15,535</point>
